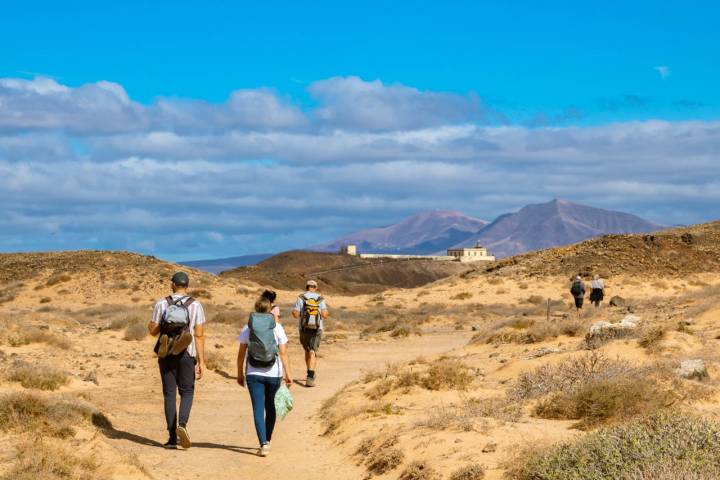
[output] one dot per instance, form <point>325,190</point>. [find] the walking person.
<point>577,290</point>
<point>271,296</point>
<point>178,319</point>
<point>262,364</point>
<point>311,311</point>
<point>597,290</point>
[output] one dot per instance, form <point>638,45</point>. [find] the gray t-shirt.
<point>299,303</point>
<point>197,317</point>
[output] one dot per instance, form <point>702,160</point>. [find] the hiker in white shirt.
<point>263,376</point>
<point>181,356</point>
<point>597,292</point>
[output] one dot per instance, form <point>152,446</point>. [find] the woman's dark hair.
<point>270,295</point>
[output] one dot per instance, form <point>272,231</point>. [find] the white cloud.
<point>350,102</point>
<point>89,167</point>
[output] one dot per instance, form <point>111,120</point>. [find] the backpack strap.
<point>169,300</point>
<point>188,302</point>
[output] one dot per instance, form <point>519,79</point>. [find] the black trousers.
<point>177,373</point>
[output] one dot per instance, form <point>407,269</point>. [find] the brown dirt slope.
<point>674,252</point>
<point>344,274</point>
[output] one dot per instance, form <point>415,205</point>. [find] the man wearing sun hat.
<point>311,311</point>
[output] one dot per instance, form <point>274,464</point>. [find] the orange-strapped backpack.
<point>311,312</point>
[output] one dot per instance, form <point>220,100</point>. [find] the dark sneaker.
<point>310,382</point>
<point>182,341</point>
<point>184,437</point>
<point>163,348</point>
<point>170,445</point>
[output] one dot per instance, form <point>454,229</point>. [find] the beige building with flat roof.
<point>478,253</point>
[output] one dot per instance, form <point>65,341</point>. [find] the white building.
<point>478,253</point>
<point>348,250</point>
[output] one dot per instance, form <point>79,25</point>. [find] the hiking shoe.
<point>184,437</point>
<point>265,450</point>
<point>170,445</point>
<point>164,344</point>
<point>310,382</point>
<point>182,341</point>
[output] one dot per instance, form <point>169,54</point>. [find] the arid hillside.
<point>674,252</point>
<point>344,274</point>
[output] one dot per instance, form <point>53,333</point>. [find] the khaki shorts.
<point>310,339</point>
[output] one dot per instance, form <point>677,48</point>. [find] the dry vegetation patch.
<point>420,470</point>
<point>41,377</point>
<point>469,472</point>
<point>55,417</point>
<point>687,444</point>
<point>47,460</point>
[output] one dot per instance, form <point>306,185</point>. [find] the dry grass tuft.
<point>26,412</point>
<point>135,331</point>
<point>215,361</point>
<point>651,337</point>
<point>668,445</point>
<point>200,293</point>
<point>44,459</point>
<point>469,472</point>
<point>462,296</point>
<point>57,279</point>
<point>27,335</point>
<point>41,377</point>
<point>419,470</point>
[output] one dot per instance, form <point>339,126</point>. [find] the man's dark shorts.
<point>579,302</point>
<point>310,339</point>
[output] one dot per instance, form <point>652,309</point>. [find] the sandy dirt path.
<point>221,425</point>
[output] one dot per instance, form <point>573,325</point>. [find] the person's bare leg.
<point>310,360</point>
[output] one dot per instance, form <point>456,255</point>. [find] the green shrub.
<point>685,444</point>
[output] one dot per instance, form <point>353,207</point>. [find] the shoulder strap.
<point>170,300</point>
<point>188,302</point>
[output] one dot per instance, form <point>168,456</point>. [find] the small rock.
<point>130,366</point>
<point>489,448</point>
<point>91,377</point>
<point>475,328</point>
<point>692,369</point>
<point>541,352</point>
<point>457,440</point>
<point>617,301</point>
<point>503,360</point>
<point>493,354</point>
<point>217,345</point>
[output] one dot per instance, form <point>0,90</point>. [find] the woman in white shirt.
<point>264,382</point>
<point>598,290</point>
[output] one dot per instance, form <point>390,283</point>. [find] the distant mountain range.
<point>424,233</point>
<point>218,265</point>
<point>534,227</point>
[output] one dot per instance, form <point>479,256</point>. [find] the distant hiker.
<point>271,296</point>
<point>262,341</point>
<point>311,310</point>
<point>577,290</point>
<point>179,319</point>
<point>597,291</point>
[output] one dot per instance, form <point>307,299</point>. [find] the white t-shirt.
<point>197,317</point>
<point>276,369</point>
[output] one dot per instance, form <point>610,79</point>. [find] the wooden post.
<point>548,310</point>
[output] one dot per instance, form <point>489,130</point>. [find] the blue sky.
<point>614,104</point>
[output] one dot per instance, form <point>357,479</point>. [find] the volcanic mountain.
<point>553,224</point>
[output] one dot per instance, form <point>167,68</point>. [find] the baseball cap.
<point>311,283</point>
<point>181,278</point>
